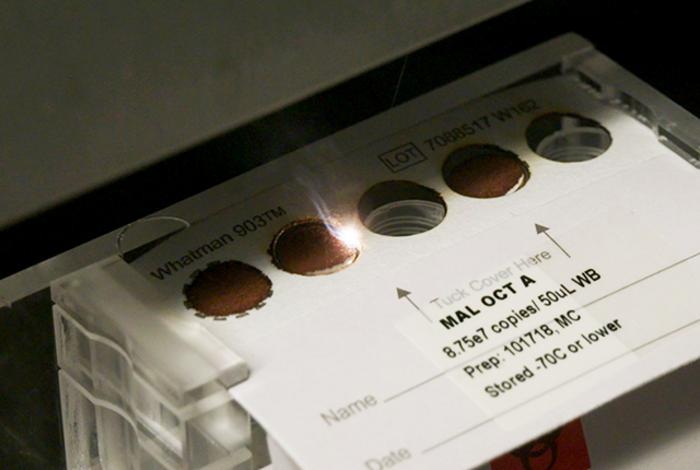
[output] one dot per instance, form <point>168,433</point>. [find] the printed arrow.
<point>402,293</point>
<point>542,229</point>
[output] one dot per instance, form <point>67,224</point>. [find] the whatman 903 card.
<point>445,292</point>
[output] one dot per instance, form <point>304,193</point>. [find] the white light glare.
<point>349,235</point>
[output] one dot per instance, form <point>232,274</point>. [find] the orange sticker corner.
<point>562,449</point>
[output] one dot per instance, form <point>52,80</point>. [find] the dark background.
<point>629,32</point>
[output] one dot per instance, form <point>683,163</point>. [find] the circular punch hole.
<point>401,208</point>
<point>566,137</point>
<point>484,171</point>
<point>227,288</point>
<point>313,247</point>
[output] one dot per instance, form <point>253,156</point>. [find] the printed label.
<point>518,340</point>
